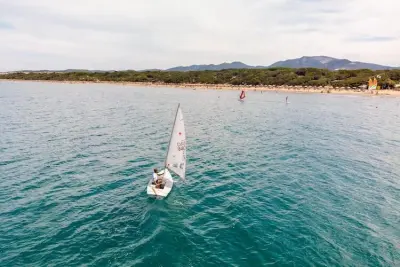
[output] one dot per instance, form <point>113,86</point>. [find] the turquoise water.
<point>312,183</point>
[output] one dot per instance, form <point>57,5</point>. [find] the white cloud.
<point>138,34</point>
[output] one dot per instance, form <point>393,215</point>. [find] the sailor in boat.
<point>158,179</point>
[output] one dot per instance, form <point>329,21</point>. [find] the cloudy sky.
<point>140,34</point>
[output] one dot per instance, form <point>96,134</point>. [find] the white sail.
<point>176,155</point>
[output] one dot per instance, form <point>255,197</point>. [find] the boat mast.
<point>172,131</point>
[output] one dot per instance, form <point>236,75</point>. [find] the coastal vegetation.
<point>387,79</point>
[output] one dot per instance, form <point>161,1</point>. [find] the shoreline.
<point>282,88</point>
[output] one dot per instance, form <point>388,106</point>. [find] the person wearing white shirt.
<point>157,180</point>
<point>155,176</point>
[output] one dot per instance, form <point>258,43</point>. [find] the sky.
<point>145,34</point>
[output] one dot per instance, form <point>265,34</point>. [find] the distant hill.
<point>233,65</point>
<point>319,62</point>
<point>323,62</point>
<point>62,71</point>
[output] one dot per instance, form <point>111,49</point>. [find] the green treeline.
<point>271,76</point>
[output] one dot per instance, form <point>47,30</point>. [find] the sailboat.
<point>242,95</point>
<point>175,160</point>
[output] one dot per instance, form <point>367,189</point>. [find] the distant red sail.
<point>242,95</point>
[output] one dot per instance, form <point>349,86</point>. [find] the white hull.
<point>158,192</point>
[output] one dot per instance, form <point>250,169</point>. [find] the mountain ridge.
<point>320,62</point>
<point>324,62</point>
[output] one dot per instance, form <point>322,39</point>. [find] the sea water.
<point>312,183</point>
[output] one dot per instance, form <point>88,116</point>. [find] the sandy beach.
<point>283,88</point>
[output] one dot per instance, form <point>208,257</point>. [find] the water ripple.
<point>313,183</point>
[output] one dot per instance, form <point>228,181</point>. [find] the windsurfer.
<point>242,95</point>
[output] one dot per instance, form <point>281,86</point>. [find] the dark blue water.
<point>312,183</point>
